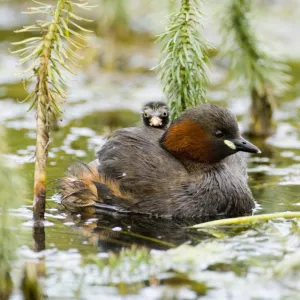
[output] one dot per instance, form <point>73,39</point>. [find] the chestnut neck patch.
<point>187,140</point>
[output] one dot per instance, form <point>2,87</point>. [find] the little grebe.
<point>156,114</point>
<point>190,170</point>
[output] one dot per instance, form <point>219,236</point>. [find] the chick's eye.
<point>165,114</point>
<point>146,115</point>
<point>219,134</point>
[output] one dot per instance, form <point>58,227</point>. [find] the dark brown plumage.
<point>190,170</point>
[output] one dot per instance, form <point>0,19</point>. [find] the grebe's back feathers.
<point>134,158</point>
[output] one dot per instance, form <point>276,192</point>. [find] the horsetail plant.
<point>254,65</point>
<point>183,65</point>
<point>50,56</point>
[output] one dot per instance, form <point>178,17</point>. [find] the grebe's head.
<point>156,114</point>
<point>206,133</point>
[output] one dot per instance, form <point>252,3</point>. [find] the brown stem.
<point>261,113</point>
<point>42,142</point>
<point>6,286</point>
<point>39,238</point>
<point>30,286</point>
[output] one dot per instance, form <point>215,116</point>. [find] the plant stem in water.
<point>43,111</point>
<point>248,220</point>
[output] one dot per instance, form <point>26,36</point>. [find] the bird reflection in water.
<point>112,231</point>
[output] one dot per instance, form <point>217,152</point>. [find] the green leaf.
<point>29,96</point>
<point>78,18</point>
<point>79,27</point>
<point>28,41</point>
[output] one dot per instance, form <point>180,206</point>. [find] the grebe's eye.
<point>146,115</point>
<point>165,114</point>
<point>219,134</point>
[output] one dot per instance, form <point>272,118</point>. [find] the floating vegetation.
<point>134,268</point>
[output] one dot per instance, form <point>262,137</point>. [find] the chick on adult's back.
<point>182,172</point>
<point>156,114</point>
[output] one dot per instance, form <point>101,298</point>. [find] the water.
<point>84,254</point>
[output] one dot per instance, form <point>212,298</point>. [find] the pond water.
<point>108,256</point>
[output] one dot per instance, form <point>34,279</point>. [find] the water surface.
<point>85,254</point>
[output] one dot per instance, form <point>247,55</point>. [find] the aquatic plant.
<point>183,65</point>
<point>49,55</point>
<point>253,64</point>
<point>11,195</point>
<point>114,18</point>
